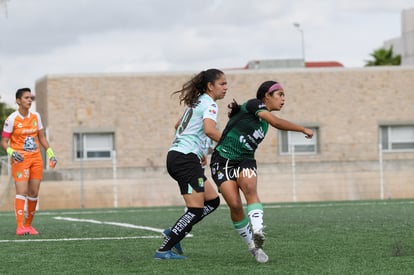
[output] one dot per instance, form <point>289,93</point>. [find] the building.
<point>111,133</point>
<point>404,45</point>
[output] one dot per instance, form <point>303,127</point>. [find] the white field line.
<point>78,239</point>
<point>126,225</point>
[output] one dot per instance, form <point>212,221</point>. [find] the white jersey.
<point>190,136</point>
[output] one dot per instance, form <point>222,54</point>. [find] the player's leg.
<point>19,203</point>
<point>247,182</point>
<point>36,174</point>
<point>187,171</point>
<point>32,200</point>
<point>183,226</point>
<point>21,184</point>
<point>211,199</point>
<point>230,191</point>
<point>241,223</point>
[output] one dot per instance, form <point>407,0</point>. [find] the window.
<point>93,146</point>
<point>289,141</point>
<point>397,137</point>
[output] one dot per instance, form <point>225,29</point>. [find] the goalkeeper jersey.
<point>23,131</point>
<point>190,136</point>
<point>243,132</point>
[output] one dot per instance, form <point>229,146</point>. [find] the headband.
<point>274,87</point>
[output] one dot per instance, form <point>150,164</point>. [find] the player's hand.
<point>52,162</point>
<point>52,158</point>
<point>203,160</point>
<point>308,133</point>
<point>17,157</point>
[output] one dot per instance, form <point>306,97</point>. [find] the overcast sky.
<point>41,37</point>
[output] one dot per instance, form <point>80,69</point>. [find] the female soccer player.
<point>186,156</point>
<point>233,165</point>
<point>22,133</point>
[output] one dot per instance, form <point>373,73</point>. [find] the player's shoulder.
<point>12,116</point>
<point>254,105</point>
<point>207,101</point>
<point>34,113</point>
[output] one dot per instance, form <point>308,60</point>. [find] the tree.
<point>384,57</point>
<point>5,111</point>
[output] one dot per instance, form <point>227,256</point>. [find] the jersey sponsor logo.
<point>259,134</point>
<point>29,131</point>
<point>30,144</point>
<point>243,140</point>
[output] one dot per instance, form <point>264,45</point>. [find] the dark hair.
<point>262,90</point>
<point>260,94</point>
<point>234,108</point>
<point>21,91</point>
<point>197,86</point>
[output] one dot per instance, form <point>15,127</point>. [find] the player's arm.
<point>17,157</point>
<point>4,142</point>
<point>50,154</point>
<point>177,124</point>
<point>211,130</point>
<point>42,139</point>
<point>283,124</point>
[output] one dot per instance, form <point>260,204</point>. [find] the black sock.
<point>182,227</point>
<point>210,206</point>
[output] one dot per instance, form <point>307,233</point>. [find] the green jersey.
<point>243,132</point>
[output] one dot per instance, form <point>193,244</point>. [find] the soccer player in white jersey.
<point>186,157</point>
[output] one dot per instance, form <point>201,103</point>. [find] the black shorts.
<point>186,169</point>
<point>223,169</point>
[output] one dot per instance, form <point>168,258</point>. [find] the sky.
<point>52,37</point>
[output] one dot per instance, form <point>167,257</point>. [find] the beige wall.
<point>347,105</point>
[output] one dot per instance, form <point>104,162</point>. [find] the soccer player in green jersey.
<point>233,164</point>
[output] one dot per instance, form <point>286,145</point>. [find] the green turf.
<point>362,237</point>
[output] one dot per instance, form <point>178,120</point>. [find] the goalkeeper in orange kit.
<point>22,134</point>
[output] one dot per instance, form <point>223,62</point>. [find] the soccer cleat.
<point>32,230</point>
<point>21,230</point>
<point>259,255</point>
<point>167,255</point>
<point>177,247</point>
<point>259,238</point>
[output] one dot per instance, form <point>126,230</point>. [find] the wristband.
<point>50,153</point>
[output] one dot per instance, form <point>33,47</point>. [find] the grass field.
<point>362,237</point>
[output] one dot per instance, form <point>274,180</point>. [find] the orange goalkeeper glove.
<point>52,158</point>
